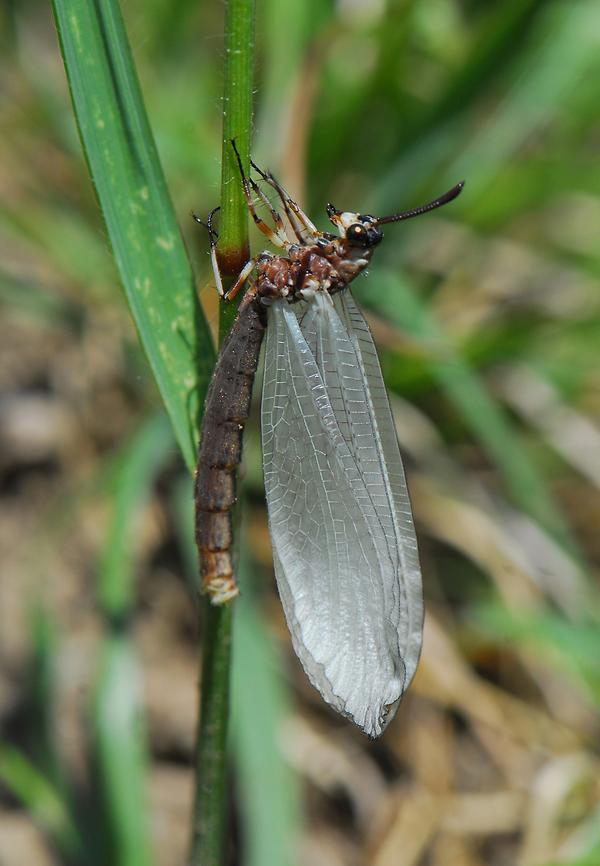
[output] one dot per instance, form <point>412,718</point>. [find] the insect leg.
<point>304,219</point>
<point>276,217</point>
<point>242,277</point>
<point>268,178</point>
<point>243,274</point>
<point>213,238</point>
<point>277,237</point>
<point>298,219</point>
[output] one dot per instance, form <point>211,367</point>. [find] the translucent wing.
<point>343,539</point>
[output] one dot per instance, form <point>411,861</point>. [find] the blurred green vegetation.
<point>488,317</point>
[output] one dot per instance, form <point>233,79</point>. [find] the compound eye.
<point>356,233</point>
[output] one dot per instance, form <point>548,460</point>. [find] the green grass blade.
<point>573,647</point>
<point>139,216</point>
<point>270,797</point>
<point>44,694</point>
<point>40,797</point>
<point>121,754</point>
<point>504,28</point>
<point>543,81</point>
<point>131,481</point>
<point>119,736</point>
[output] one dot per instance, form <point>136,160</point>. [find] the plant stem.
<point>208,833</point>
<point>208,836</point>
<point>233,249</point>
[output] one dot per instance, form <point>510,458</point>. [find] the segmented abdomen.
<point>225,414</point>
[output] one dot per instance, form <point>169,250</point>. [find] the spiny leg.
<point>278,237</point>
<point>242,277</point>
<point>302,216</point>
<point>292,208</point>
<point>268,178</point>
<point>280,227</point>
<point>243,274</point>
<point>213,238</point>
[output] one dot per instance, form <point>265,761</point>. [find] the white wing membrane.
<point>344,544</point>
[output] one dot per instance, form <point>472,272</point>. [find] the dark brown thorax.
<point>329,265</point>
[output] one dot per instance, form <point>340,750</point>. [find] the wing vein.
<point>343,542</point>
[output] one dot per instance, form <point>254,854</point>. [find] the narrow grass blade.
<point>270,796</point>
<point>119,737</point>
<point>566,51</point>
<point>120,752</point>
<point>130,484</point>
<point>139,216</point>
<point>574,647</point>
<point>43,695</point>
<point>40,797</point>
